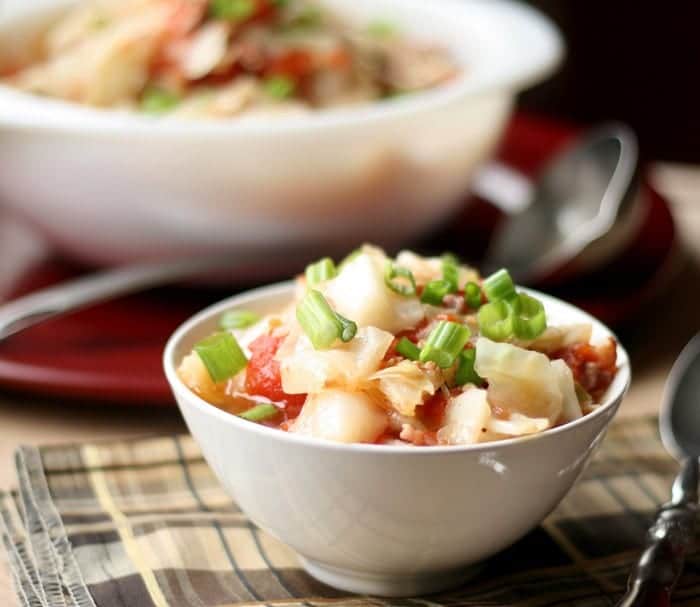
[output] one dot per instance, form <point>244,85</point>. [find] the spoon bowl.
<point>583,208</point>
<point>679,420</point>
<point>673,531</point>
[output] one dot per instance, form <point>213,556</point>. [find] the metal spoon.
<point>595,178</point>
<point>673,531</point>
<point>582,209</point>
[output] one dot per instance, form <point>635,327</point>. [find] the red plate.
<point>113,352</point>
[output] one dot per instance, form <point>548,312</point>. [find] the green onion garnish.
<point>399,280</point>
<point>279,87</point>
<point>496,320</point>
<point>232,10</point>
<point>157,101</point>
<point>444,343</point>
<point>434,291</point>
<point>381,29</point>
<point>320,271</point>
<point>499,286</point>
<point>408,349</point>
<point>465,369</point>
<point>472,295</point>
<point>221,355</point>
<point>322,325</point>
<point>238,319</point>
<point>450,271</point>
<point>260,412</point>
<point>529,319</point>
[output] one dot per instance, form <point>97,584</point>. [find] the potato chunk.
<point>340,416</point>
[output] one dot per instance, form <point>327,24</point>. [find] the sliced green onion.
<point>260,412</point>
<point>399,280</point>
<point>157,101</point>
<point>496,320</point>
<point>434,291</point>
<point>348,328</point>
<point>221,355</point>
<point>320,271</point>
<point>381,29</point>
<point>408,349</point>
<point>472,295</point>
<point>465,369</point>
<point>444,343</point>
<point>499,286</point>
<point>279,87</point>
<point>322,325</point>
<point>450,271</point>
<point>232,10</point>
<point>529,318</point>
<point>238,319</point>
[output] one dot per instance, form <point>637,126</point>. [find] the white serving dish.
<point>111,186</point>
<point>389,520</point>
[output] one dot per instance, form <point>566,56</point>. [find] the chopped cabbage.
<point>405,386</point>
<point>467,418</point>
<point>518,425</point>
<point>107,68</point>
<point>194,374</point>
<point>305,370</point>
<point>360,294</point>
<point>520,380</point>
<point>571,408</point>
<point>344,417</point>
<point>556,338</point>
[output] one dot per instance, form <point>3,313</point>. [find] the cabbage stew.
<point>412,350</point>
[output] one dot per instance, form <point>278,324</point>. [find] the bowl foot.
<point>386,584</point>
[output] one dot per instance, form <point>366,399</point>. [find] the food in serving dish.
<point>219,58</point>
<point>147,188</point>
<point>362,516</point>
<point>410,350</point>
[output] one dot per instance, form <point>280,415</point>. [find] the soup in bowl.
<point>312,159</point>
<point>395,472</point>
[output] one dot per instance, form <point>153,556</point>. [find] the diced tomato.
<point>432,412</point>
<point>265,10</point>
<point>414,334</point>
<point>295,64</point>
<point>263,375</point>
<point>339,59</point>
<point>593,367</point>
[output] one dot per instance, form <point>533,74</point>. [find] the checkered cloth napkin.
<point>145,523</point>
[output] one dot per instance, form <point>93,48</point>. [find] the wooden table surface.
<point>653,347</point>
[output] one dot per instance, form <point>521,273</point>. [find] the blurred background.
<point>629,61</point>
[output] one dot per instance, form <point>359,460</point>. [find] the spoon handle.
<point>98,287</point>
<point>651,582</point>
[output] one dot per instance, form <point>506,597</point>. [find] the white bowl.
<point>382,519</point>
<point>111,186</point>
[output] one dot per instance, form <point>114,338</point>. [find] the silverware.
<point>91,289</point>
<point>673,531</point>
<point>582,210</point>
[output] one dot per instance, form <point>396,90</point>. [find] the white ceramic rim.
<point>245,298</point>
<point>57,114</point>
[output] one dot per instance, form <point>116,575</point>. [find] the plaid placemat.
<point>145,523</point>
